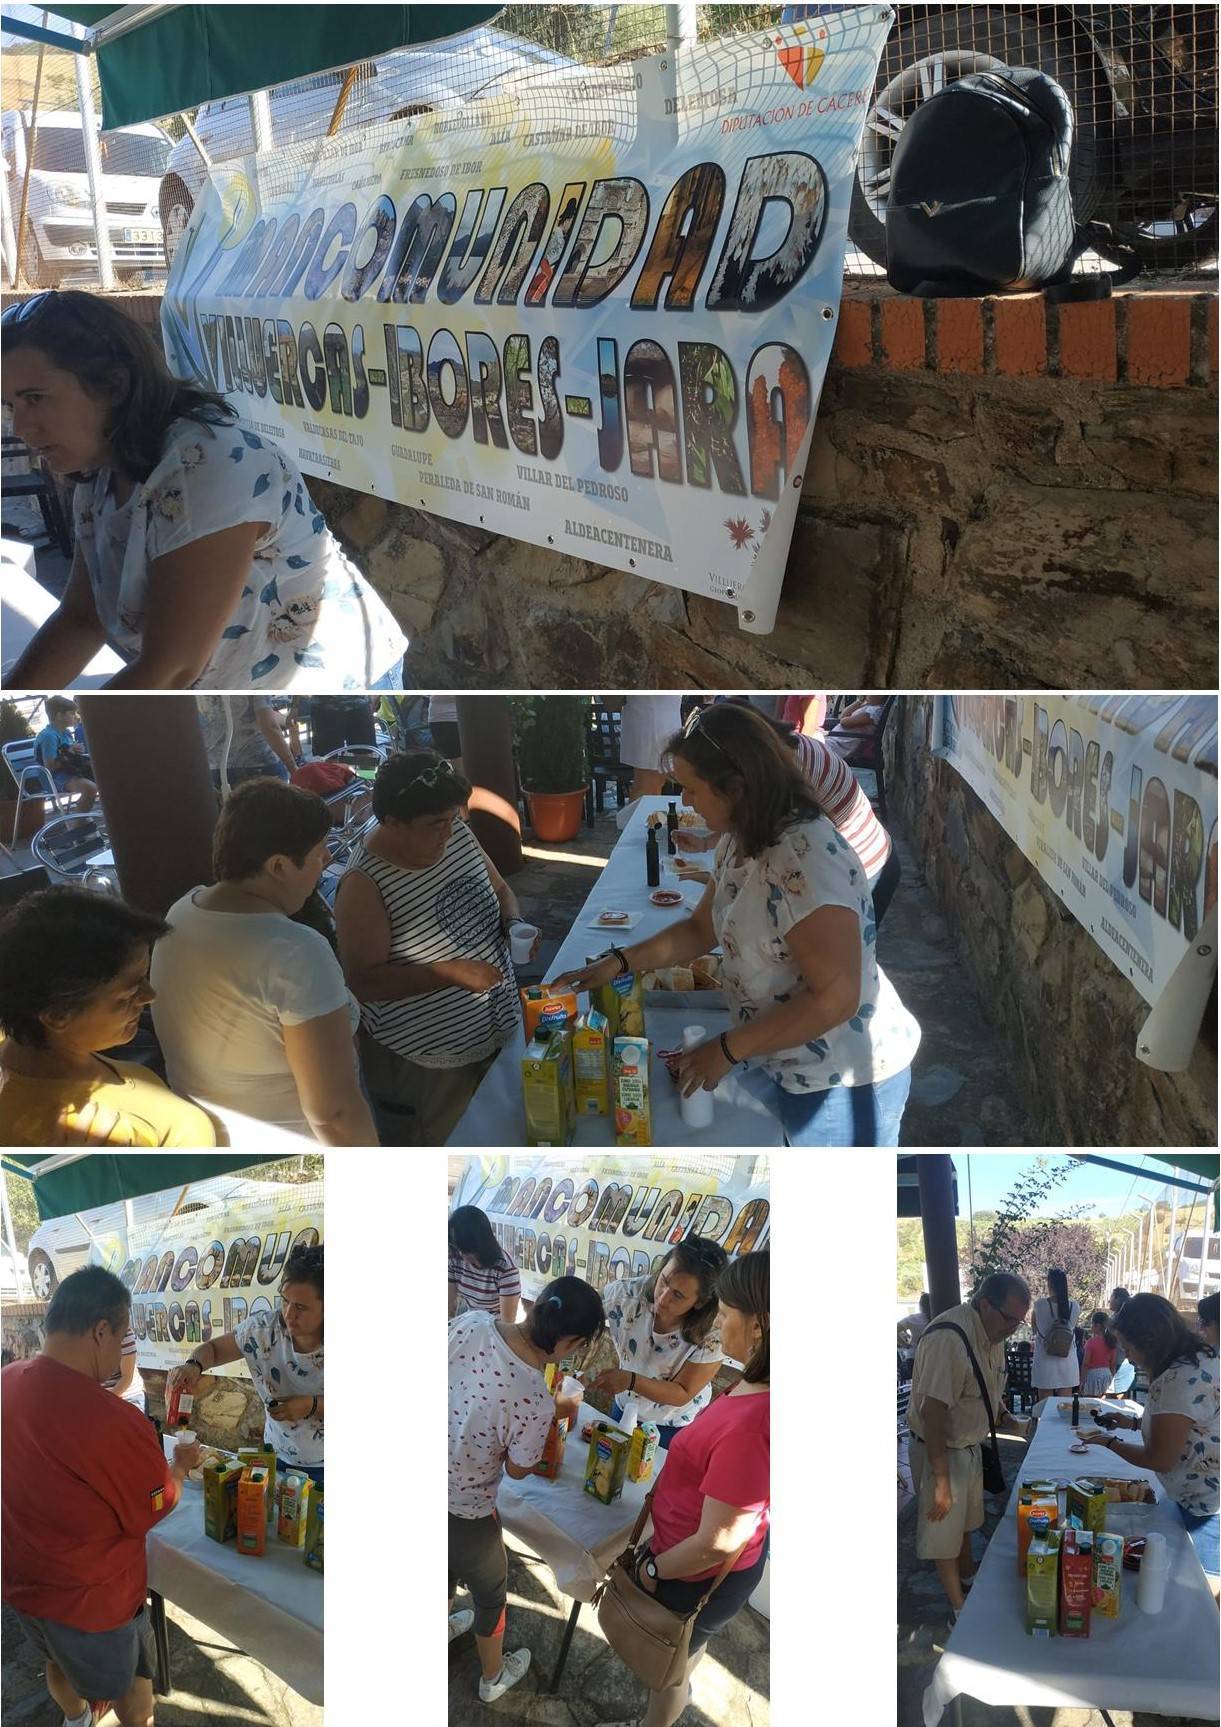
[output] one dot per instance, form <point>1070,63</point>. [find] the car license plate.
<point>141,236</point>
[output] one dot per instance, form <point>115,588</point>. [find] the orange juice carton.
<point>1108,1573</point>
<point>550,1374</point>
<point>1042,1580</point>
<point>546,1077</point>
<point>643,1450</point>
<point>313,1531</point>
<point>591,1063</point>
<point>220,1478</point>
<point>622,1002</point>
<point>292,1510</point>
<point>546,1008</point>
<point>252,1511</point>
<point>606,1463</point>
<point>633,1110</point>
<point>264,1457</point>
<point>1035,1499</point>
<point>1085,1505</point>
<point>1076,1582</point>
<point>551,1463</point>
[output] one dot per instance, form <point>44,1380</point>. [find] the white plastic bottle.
<point>628,1421</point>
<point>1154,1570</point>
<point>696,1110</point>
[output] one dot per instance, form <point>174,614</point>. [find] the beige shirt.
<point>942,1369</point>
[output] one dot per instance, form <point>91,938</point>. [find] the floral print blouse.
<point>306,619</point>
<point>279,1371</point>
<point>652,1354</point>
<point>1189,1388</point>
<point>757,902</point>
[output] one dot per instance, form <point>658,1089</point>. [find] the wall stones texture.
<point>1070,1016</point>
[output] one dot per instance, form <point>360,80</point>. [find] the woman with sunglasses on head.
<point>200,556</point>
<point>664,1330</point>
<point>423,916</point>
<point>789,905</point>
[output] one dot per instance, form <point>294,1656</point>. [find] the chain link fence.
<point>1142,82</point>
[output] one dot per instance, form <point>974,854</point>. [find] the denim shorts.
<point>96,1663</point>
<point>391,680</point>
<point>846,1114</point>
<point>1203,1529</point>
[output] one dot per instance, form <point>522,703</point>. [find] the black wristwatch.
<point>194,1361</point>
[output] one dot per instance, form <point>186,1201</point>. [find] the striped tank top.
<point>447,911</point>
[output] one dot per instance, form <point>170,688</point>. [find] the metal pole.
<point>1148,1273</point>
<point>8,235</point>
<point>682,25</point>
<point>83,67</point>
<point>260,120</point>
<point>349,78</point>
<point>1202,1285</point>
<point>935,1176</point>
<point>1174,1212</point>
<point>31,144</point>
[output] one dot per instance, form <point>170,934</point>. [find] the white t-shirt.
<point>654,1354</point>
<point>1189,1388</point>
<point>227,984</point>
<point>497,1404</point>
<point>1049,1371</point>
<point>278,1371</point>
<point>135,1391</point>
<point>306,618</point>
<point>757,902</point>
<point>443,709</point>
<point>649,722</point>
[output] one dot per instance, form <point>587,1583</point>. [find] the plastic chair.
<point>1124,1377</point>
<point>67,848</point>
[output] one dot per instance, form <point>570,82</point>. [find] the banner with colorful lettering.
<point>198,1275</point>
<point>1113,799</point>
<point>609,1215</point>
<point>592,310</point>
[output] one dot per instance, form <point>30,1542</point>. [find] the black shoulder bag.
<point>994,1475</point>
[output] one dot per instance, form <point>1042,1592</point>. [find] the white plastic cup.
<point>185,1436</point>
<point>168,1442</point>
<point>696,1110</point>
<point>1154,1570</point>
<point>522,937</point>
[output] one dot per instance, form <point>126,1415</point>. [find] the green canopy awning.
<point>1205,1165</point>
<point>76,1181</point>
<point>179,56</point>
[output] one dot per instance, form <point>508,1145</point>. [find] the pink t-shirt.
<point>725,1454</point>
<point>1097,1354</point>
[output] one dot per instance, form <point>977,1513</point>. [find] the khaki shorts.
<point>944,1540</point>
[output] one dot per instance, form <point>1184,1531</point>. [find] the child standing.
<point>1099,1357</point>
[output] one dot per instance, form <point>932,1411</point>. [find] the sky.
<point>1103,1192</point>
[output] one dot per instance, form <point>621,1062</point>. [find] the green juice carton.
<point>547,1088</point>
<point>220,1479</point>
<point>1043,1581</point>
<point>1085,1505</point>
<point>313,1531</point>
<point>606,1462</point>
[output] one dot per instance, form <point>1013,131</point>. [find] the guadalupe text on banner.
<point>602,1216</point>
<point>592,310</point>
<point>1113,799</point>
<point>198,1275</point>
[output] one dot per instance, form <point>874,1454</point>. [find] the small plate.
<point>629,922</point>
<point>667,898</point>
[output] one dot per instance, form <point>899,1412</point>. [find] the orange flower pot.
<point>556,816</point>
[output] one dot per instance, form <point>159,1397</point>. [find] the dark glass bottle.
<point>652,859</point>
<point>671,828</point>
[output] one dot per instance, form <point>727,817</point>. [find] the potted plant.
<point>553,760</point>
<point>33,811</point>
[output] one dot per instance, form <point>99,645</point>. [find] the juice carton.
<point>547,1008</point>
<point>643,1451</point>
<point>292,1510</point>
<point>622,1002</point>
<point>591,1063</point>
<point>550,1374</point>
<point>546,1077</point>
<point>1108,1573</point>
<point>633,1111</point>
<point>313,1531</point>
<point>1042,1583</point>
<point>252,1511</point>
<point>606,1464</point>
<point>1076,1582</point>
<point>220,1480</point>
<point>1086,1504</point>
<point>263,1457</point>
<point>551,1463</point>
<point>1033,1505</point>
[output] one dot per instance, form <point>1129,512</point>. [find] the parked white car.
<point>1190,1247</point>
<point>59,241</point>
<point>410,81</point>
<point>14,1279</point>
<point>61,1245</point>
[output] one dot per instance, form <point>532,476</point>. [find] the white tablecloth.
<point>25,605</point>
<point>573,1532</point>
<point>270,1607</point>
<point>742,1111</point>
<point>1163,1663</point>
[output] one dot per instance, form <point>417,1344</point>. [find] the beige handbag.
<point>653,1640</point>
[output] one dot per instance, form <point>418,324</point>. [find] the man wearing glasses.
<point>948,1421</point>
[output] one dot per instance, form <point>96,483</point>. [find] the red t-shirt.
<point>1097,1354</point>
<point>82,1481</point>
<point>725,1454</point>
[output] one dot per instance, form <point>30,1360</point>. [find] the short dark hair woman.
<point>253,1013</point>
<point>714,1495</point>
<point>664,1330</point>
<point>481,1273</point>
<point>1179,1425</point>
<point>500,1413</point>
<point>790,908</point>
<point>200,556</point>
<point>74,979</point>
<point>423,916</point>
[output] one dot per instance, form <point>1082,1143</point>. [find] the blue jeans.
<point>664,1434</point>
<point>391,680</point>
<point>846,1114</point>
<point>1203,1527</point>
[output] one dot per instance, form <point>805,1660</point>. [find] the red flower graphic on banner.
<point>740,531</point>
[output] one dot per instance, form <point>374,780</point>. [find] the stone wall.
<point>1070,1016</point>
<point>1001,494</point>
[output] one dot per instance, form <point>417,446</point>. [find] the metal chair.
<point>605,727</point>
<point>1019,1364</point>
<point>357,755</point>
<point>68,849</point>
<point>34,782</point>
<point>36,483</point>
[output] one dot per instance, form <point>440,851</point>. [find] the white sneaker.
<point>460,1622</point>
<point>512,1669</point>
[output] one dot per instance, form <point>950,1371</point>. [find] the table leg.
<point>956,1711</point>
<point>164,1682</point>
<point>565,1646</point>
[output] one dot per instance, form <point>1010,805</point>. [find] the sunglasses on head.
<point>431,776</point>
<point>31,310</point>
<point>692,725</point>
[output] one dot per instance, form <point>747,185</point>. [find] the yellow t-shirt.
<point>134,1108</point>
